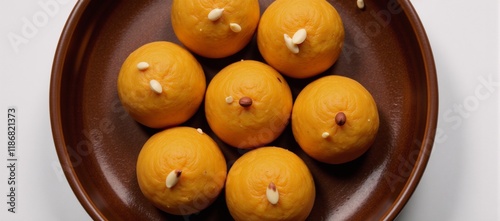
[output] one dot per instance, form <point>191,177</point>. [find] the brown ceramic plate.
<point>386,50</point>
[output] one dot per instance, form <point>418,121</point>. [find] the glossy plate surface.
<point>385,49</point>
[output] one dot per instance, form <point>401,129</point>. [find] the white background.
<point>461,181</point>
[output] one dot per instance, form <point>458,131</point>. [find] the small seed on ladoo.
<point>245,102</point>
<point>215,14</point>
<point>142,65</point>
<point>272,193</point>
<point>172,178</point>
<point>235,27</point>
<point>340,118</point>
<point>156,86</point>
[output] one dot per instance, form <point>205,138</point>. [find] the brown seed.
<point>178,173</point>
<point>340,118</point>
<point>245,102</point>
<point>272,186</point>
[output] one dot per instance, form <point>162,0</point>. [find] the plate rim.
<point>55,107</point>
<point>432,112</point>
<point>397,205</point>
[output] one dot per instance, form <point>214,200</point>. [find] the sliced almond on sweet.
<point>156,86</point>
<point>272,193</point>
<point>290,45</point>
<point>299,36</point>
<point>215,14</point>
<point>172,178</point>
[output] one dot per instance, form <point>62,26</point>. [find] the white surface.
<point>461,181</point>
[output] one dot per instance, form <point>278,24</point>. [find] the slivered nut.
<point>229,99</point>
<point>235,27</point>
<point>200,131</point>
<point>360,3</point>
<point>325,135</point>
<point>172,178</point>
<point>156,86</point>
<point>299,36</point>
<point>290,45</point>
<point>272,194</point>
<point>142,65</point>
<point>215,14</point>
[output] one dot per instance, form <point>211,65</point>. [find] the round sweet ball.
<point>215,29</point>
<point>161,84</point>
<point>181,170</point>
<point>300,38</point>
